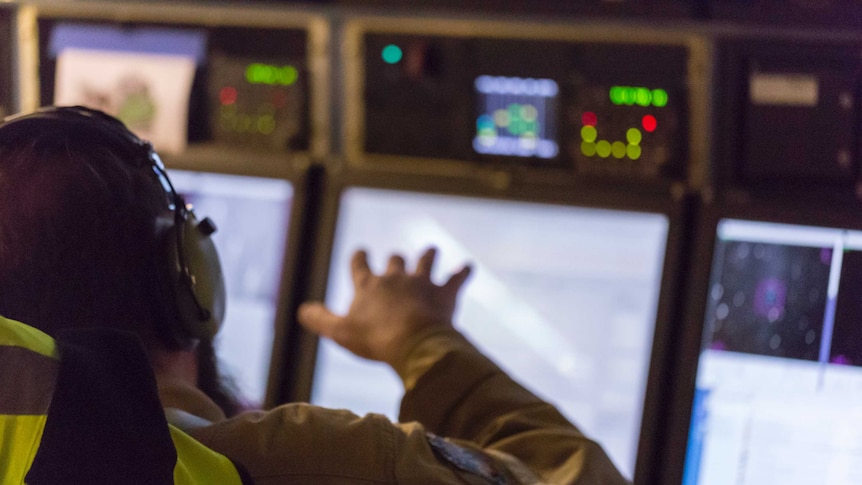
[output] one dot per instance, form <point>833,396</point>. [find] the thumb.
<point>316,318</point>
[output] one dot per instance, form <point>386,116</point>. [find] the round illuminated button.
<point>649,123</point>
<point>603,148</point>
<point>634,136</point>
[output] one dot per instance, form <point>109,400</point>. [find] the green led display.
<point>392,54</point>
<point>659,98</point>
<point>638,96</point>
<point>258,73</point>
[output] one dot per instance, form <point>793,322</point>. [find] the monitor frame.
<point>693,301</point>
<point>590,31</point>
<point>198,16</point>
<point>304,179</point>
<point>588,196</point>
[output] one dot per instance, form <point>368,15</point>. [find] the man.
<point>93,235</point>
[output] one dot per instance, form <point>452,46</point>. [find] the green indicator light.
<point>288,75</point>
<point>633,151</point>
<point>642,96</point>
<point>518,127</point>
<point>515,112</point>
<point>628,96</point>
<point>266,124</point>
<point>616,95</point>
<point>618,149</point>
<point>659,98</point>
<point>588,148</point>
<point>257,73</point>
<point>392,54</point>
<point>531,127</point>
<point>603,148</point>
<point>589,134</point>
<point>634,136</point>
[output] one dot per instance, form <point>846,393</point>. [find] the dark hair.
<point>77,229</point>
<point>79,243</point>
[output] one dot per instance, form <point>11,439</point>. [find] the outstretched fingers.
<point>456,281</point>
<point>359,267</point>
<point>426,262</point>
<point>318,319</point>
<point>396,264</point>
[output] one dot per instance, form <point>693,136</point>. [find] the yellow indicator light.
<point>588,148</point>
<point>618,149</point>
<point>501,118</point>
<point>634,136</point>
<point>266,124</point>
<point>603,148</point>
<point>529,112</point>
<point>589,133</point>
<point>633,151</point>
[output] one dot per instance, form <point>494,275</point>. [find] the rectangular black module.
<point>598,108</point>
<point>257,88</point>
<point>250,86</point>
<point>789,114</point>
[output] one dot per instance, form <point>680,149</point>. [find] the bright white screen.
<point>779,381</point>
<point>563,298</point>
<point>252,216</point>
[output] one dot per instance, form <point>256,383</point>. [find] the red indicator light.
<point>227,95</point>
<point>279,98</point>
<point>589,118</point>
<point>649,123</point>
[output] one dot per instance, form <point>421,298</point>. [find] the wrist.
<point>423,350</point>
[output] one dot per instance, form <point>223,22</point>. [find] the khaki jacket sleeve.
<point>300,443</point>
<point>496,432</point>
<point>455,391</point>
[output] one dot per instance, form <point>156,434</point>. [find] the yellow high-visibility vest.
<point>38,446</point>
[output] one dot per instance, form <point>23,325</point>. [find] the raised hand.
<point>387,309</point>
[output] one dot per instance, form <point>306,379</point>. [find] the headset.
<point>189,257</point>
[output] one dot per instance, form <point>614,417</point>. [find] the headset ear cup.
<point>200,293</point>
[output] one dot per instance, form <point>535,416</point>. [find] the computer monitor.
<point>252,215</point>
<point>564,298</point>
<point>779,375</point>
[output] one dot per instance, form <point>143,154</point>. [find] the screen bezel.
<point>592,196</point>
<point>303,178</point>
<point>229,37</point>
<point>693,302</point>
